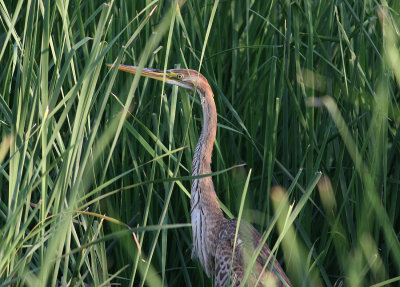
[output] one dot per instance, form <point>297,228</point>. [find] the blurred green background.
<point>95,164</point>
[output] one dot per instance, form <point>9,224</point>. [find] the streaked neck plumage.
<point>206,214</point>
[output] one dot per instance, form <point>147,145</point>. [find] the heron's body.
<point>213,234</point>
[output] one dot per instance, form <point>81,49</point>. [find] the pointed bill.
<point>147,72</point>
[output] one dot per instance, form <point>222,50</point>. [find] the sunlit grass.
<point>95,164</point>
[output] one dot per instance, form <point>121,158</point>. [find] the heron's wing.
<point>227,271</point>
<point>273,271</point>
<point>247,242</point>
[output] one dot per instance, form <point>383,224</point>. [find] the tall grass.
<point>95,164</point>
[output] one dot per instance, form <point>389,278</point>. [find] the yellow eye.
<point>180,76</point>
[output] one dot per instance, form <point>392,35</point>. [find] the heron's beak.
<point>147,72</point>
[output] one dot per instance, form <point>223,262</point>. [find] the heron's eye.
<point>180,76</point>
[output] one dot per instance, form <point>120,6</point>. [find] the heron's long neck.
<point>206,214</point>
<point>202,156</point>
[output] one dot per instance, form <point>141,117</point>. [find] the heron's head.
<point>185,78</point>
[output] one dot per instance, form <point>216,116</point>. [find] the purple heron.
<point>213,234</point>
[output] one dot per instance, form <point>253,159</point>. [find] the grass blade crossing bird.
<point>213,234</point>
